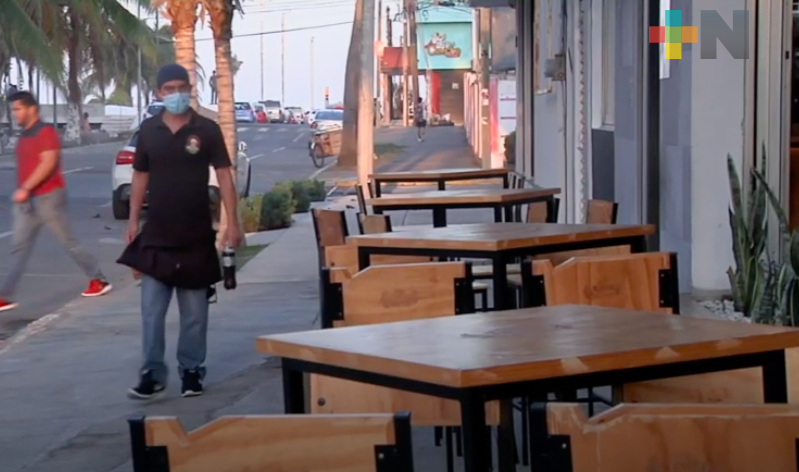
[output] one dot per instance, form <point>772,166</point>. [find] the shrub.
<point>316,190</point>
<point>510,148</point>
<point>300,192</point>
<point>250,211</point>
<point>277,206</point>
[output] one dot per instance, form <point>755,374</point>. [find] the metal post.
<point>283,60</point>
<point>485,110</point>
<point>389,101</point>
<point>262,62</point>
<point>414,57</point>
<point>366,95</point>
<point>138,74</point>
<point>405,75</point>
<point>313,86</point>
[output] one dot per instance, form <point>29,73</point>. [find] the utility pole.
<point>138,73</point>
<point>262,62</point>
<point>485,110</point>
<point>366,147</point>
<point>388,114</point>
<point>283,60</point>
<point>414,52</point>
<point>379,73</point>
<point>313,71</point>
<point>405,62</point>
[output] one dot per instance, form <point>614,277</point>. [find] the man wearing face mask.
<point>175,250</point>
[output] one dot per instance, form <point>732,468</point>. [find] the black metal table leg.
<point>378,189</point>
<point>775,381</point>
<point>639,245</point>
<point>509,214</point>
<point>442,184</point>
<point>506,458</point>
<point>497,214</point>
<point>476,440</point>
<point>505,181</point>
<point>552,214</point>
<point>439,217</point>
<point>293,391</point>
<point>500,281</point>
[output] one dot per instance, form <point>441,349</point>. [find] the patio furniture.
<point>526,352</point>
<point>330,228</point>
<point>440,177</point>
<point>502,201</point>
<point>355,443</point>
<point>500,243</point>
<point>601,212</point>
<point>648,437</point>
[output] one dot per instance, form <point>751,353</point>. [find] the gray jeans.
<point>50,210</point>
<point>193,306</point>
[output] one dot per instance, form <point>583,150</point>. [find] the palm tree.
<point>347,156</point>
<point>221,18</point>
<point>183,15</point>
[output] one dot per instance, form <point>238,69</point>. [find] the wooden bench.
<point>667,438</point>
<point>319,443</point>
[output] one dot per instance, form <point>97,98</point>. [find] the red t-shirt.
<point>34,141</point>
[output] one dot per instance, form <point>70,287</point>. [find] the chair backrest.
<point>334,443</point>
<point>601,212</point>
<point>644,282</point>
<point>330,227</point>
<point>361,199</point>
<point>346,256</point>
<point>653,437</point>
<point>557,258</point>
<point>374,224</point>
<point>398,292</point>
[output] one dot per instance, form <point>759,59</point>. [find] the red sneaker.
<point>6,305</point>
<point>97,288</point>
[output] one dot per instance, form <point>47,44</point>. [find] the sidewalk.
<point>444,147</point>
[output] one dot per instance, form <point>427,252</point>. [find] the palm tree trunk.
<point>183,14</point>
<point>74,96</point>
<point>348,155</point>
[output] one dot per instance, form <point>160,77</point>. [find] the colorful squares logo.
<point>673,34</point>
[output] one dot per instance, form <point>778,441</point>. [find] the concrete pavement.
<point>278,152</point>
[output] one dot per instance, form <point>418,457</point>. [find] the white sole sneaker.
<point>9,306</point>
<point>102,292</point>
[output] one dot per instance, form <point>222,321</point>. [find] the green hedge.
<point>273,209</point>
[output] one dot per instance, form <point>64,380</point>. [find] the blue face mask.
<point>177,103</point>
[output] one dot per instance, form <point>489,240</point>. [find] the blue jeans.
<point>193,306</point>
<point>49,209</point>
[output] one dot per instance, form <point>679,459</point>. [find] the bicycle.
<point>318,160</point>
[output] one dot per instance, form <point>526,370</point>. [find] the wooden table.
<point>499,356</point>
<point>499,242</point>
<point>440,201</point>
<point>440,176</point>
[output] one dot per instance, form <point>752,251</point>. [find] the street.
<point>278,152</point>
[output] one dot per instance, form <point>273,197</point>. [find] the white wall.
<point>717,117</point>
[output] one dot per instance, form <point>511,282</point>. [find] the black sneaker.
<point>147,388</point>
<point>192,385</point>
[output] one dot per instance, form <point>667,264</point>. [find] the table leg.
<point>293,391</point>
<point>442,184</point>
<point>476,440</point>
<point>439,217</point>
<point>506,459</point>
<point>500,281</point>
<point>638,245</point>
<point>552,214</point>
<point>378,189</point>
<point>497,214</point>
<point>775,381</point>
<point>509,214</point>
<point>505,181</point>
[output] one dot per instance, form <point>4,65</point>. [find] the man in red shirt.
<point>41,198</point>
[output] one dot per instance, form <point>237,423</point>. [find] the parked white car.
<point>328,119</point>
<point>310,116</point>
<point>122,174</point>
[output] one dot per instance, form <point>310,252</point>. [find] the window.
<point>603,63</point>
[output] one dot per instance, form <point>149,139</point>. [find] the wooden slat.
<point>448,197</point>
<point>319,443</point>
<point>557,258</point>
<point>600,212</point>
<point>636,438</point>
<point>374,224</point>
<point>498,236</point>
<point>330,231</point>
<point>537,212</point>
<point>437,174</point>
<point>346,256</point>
<point>526,344</point>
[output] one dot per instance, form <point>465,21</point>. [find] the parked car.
<point>122,174</point>
<point>154,108</point>
<point>260,114</point>
<point>244,112</point>
<point>297,114</point>
<point>274,112</point>
<point>310,116</point>
<point>328,119</point>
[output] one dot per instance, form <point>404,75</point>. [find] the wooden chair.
<point>319,443</point>
<point>330,227</point>
<point>375,224</point>
<point>651,437</point>
<point>601,212</point>
<point>359,194</point>
<point>384,294</point>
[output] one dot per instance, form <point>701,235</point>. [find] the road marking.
<point>263,130</point>
<point>79,169</point>
<point>106,204</point>
<point>316,174</point>
<point>244,129</point>
<point>6,234</point>
<point>256,156</point>
<point>282,148</point>
<point>298,137</point>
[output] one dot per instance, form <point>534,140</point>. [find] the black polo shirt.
<point>178,165</point>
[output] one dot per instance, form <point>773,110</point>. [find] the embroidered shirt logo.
<point>193,145</point>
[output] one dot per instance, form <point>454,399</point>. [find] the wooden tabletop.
<point>498,236</point>
<point>538,343</point>
<point>448,197</point>
<point>439,174</point>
